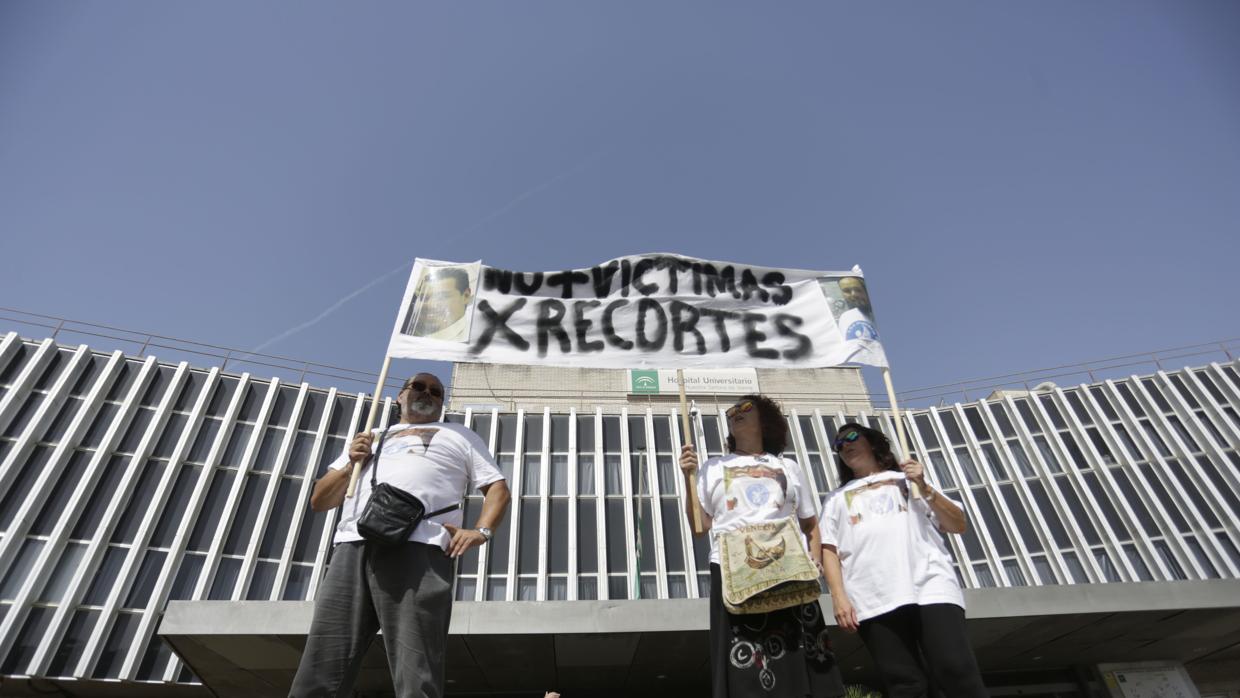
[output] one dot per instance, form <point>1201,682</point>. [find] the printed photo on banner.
<point>443,303</point>
<point>850,304</point>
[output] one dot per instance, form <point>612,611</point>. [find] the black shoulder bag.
<point>392,513</point>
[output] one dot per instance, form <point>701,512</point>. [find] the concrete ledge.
<point>678,615</point>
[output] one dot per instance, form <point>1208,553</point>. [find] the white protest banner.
<point>652,310</point>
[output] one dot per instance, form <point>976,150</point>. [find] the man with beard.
<point>405,589</point>
<point>439,305</point>
<point>858,321</point>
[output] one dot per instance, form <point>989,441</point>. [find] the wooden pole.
<point>895,415</point>
<point>698,527</point>
<point>370,421</point>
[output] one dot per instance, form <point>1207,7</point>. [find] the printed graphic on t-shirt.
<point>752,484</point>
<point>876,500</point>
<point>423,434</point>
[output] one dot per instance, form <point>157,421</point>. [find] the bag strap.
<point>374,467</point>
<point>445,510</point>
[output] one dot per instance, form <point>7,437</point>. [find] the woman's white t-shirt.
<point>736,490</point>
<point>889,546</point>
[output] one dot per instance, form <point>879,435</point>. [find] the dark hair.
<point>880,444</point>
<point>771,420</point>
<point>457,274</point>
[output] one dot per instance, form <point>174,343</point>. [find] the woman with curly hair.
<point>889,570</point>
<point>784,652</point>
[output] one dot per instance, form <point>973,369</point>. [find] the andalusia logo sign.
<point>645,382</point>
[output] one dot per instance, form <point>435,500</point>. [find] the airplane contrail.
<point>485,220</point>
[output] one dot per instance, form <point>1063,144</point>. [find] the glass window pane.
<point>1108,509</point>
<point>1048,454</point>
<point>1015,576</point>
<point>1079,514</point>
<point>1134,559</point>
<point>587,540</point>
<point>204,439</point>
<point>1164,552</point>
<point>105,577</point>
<point>1075,568</point>
<point>1045,573</point>
<point>154,660</point>
<point>941,471</point>
<point>268,449</point>
<point>1049,515</point>
<point>559,433</point>
<point>241,528</point>
<point>587,588</point>
<point>585,433</point>
<point>1024,524</point>
<point>187,577</point>
<point>952,427</point>
<point>585,474</point>
<point>965,459</point>
<point>557,537</point>
<point>497,562</point>
<point>207,522</point>
<point>225,579</point>
<point>506,436</point>
<point>672,538</point>
<point>299,458</point>
<point>144,583</point>
<point>618,587</point>
<point>647,550</point>
<point>310,534</point>
<point>16,575</point>
<point>611,433</point>
<point>114,650</point>
<point>994,462</point>
<point>170,435</point>
<point>1200,554</point>
<point>297,588</point>
<point>139,504</point>
<point>531,472</point>
<point>237,443</point>
<point>70,559</point>
<point>663,434</point>
<point>1110,572</point>
<point>497,589</point>
<point>466,588</point>
<point>612,471</point>
<point>527,561</point>
<point>28,639</point>
<point>99,427</point>
<point>137,429</point>
<point>262,582</point>
<point>617,547</point>
<point>53,511</point>
<point>926,429</point>
<point>998,535</point>
<point>73,642</point>
<point>281,519</point>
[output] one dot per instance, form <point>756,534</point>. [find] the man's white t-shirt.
<point>889,546</point>
<point>435,462</point>
<point>737,490</point>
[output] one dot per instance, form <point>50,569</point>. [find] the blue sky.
<point>1025,184</point>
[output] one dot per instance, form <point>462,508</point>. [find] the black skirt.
<point>782,654</point>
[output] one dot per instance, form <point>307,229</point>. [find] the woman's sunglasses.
<point>847,438</point>
<point>420,387</point>
<point>738,409</point>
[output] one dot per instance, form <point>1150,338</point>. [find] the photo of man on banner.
<point>850,304</point>
<point>443,303</point>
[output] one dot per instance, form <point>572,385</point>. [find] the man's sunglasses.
<point>420,387</point>
<point>738,409</point>
<point>847,438</point>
